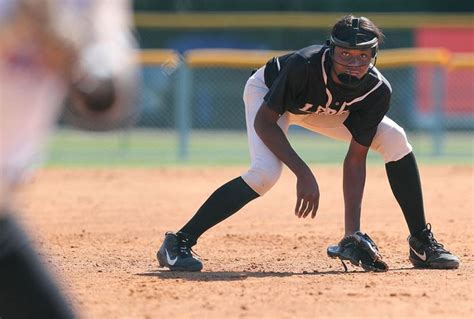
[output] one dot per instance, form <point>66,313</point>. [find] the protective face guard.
<point>354,35</point>
<point>371,44</point>
<point>347,79</point>
<point>347,58</point>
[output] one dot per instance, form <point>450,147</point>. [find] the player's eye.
<point>364,56</point>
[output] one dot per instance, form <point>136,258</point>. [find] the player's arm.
<point>363,126</point>
<point>353,184</point>
<point>271,134</point>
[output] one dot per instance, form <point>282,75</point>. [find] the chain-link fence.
<point>193,113</point>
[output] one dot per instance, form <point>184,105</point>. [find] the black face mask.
<point>350,81</point>
<point>347,81</point>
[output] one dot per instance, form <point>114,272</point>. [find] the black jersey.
<point>301,83</point>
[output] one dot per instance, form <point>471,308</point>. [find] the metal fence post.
<point>438,128</point>
<point>183,106</point>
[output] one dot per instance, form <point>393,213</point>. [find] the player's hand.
<point>307,192</point>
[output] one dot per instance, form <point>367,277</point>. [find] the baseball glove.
<point>360,250</point>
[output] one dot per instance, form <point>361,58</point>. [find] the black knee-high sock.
<point>223,203</point>
<point>26,290</point>
<point>405,182</point>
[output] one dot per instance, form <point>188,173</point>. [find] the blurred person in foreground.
<point>50,50</point>
<point>334,90</point>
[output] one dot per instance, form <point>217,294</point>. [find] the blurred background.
<point>197,55</point>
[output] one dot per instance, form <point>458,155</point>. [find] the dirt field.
<point>99,231</point>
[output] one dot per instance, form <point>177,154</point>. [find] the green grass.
<point>145,148</point>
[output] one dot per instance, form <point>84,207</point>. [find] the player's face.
<point>352,62</point>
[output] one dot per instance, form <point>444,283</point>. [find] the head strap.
<point>357,38</point>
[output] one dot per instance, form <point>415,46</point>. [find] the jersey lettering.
<point>306,107</point>
<point>323,110</point>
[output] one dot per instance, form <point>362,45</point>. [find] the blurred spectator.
<point>50,50</point>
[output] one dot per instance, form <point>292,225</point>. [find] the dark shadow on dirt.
<point>241,275</point>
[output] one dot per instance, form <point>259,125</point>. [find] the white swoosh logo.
<point>422,257</point>
<point>170,261</point>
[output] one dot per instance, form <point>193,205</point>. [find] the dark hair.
<point>342,30</point>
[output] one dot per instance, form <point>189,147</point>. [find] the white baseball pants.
<point>390,140</point>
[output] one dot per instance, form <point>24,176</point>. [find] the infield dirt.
<point>98,230</point>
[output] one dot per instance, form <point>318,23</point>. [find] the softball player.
<point>334,90</point>
<point>49,49</point>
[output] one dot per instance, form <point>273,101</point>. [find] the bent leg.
<point>265,168</point>
<point>404,178</point>
<point>402,172</point>
<point>391,143</point>
<point>223,203</point>
<point>262,175</point>
<point>405,182</point>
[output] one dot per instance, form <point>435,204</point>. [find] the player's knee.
<point>262,180</point>
<point>392,144</point>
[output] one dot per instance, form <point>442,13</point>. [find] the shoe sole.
<point>452,264</point>
<point>163,263</point>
